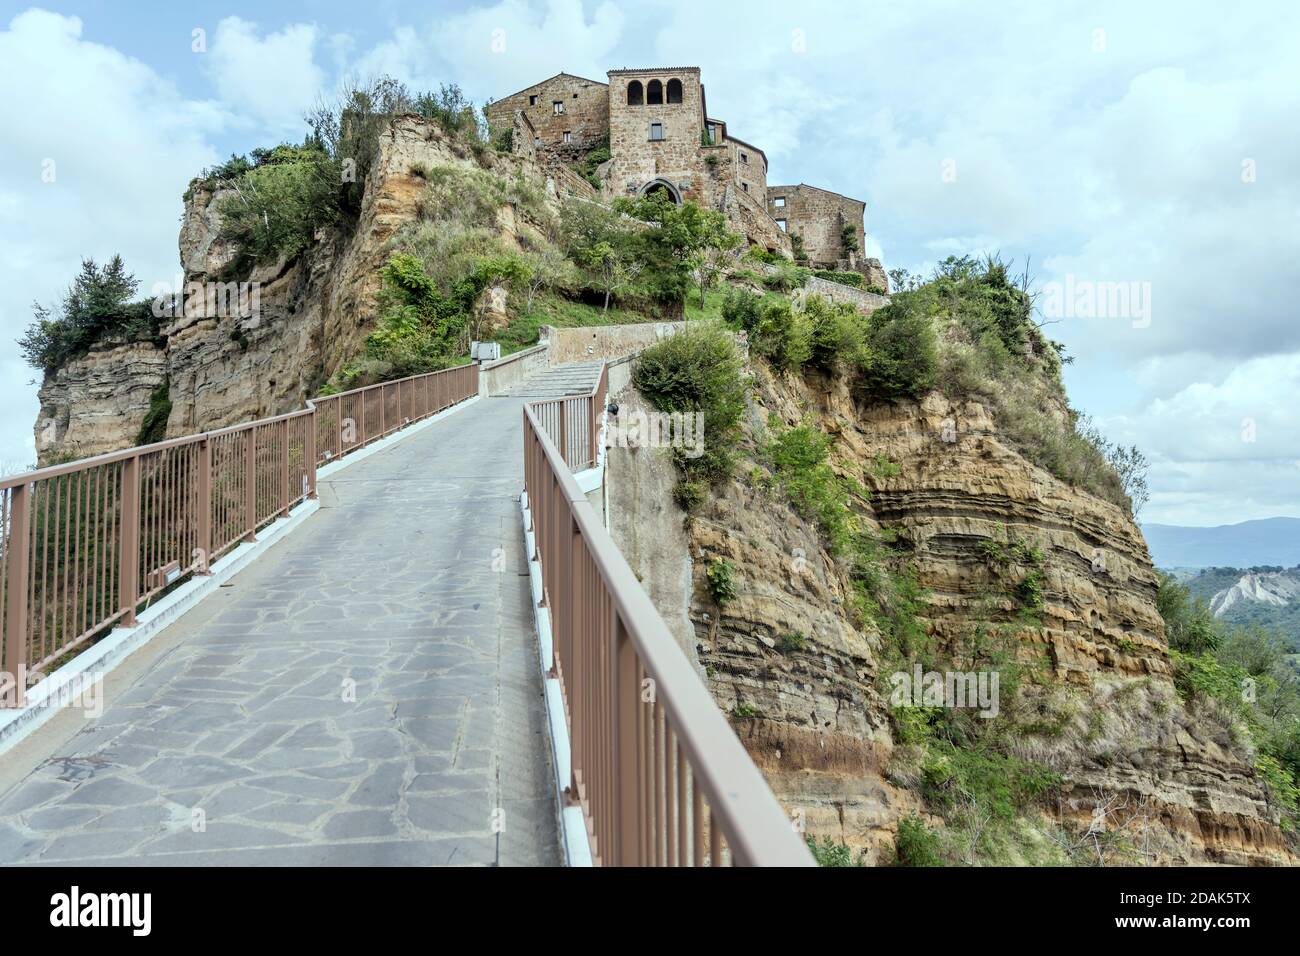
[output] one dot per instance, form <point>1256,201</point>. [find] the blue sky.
<point>1158,147</point>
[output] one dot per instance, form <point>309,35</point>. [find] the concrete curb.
<point>80,680</point>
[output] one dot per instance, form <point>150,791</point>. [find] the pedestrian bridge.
<point>386,630</point>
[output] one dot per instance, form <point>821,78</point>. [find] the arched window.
<point>654,93</point>
<point>634,94</point>
<point>674,91</point>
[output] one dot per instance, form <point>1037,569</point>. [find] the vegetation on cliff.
<point>99,304</point>
<point>1245,677</point>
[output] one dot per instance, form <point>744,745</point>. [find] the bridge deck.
<point>408,585</point>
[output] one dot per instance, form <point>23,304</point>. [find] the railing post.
<point>627,757</point>
<point>309,456</point>
<point>250,484</point>
<point>361,397</point>
<point>383,412</point>
<point>338,425</point>
<point>203,507</point>
<point>17,553</point>
<point>286,489</point>
<point>564,431</point>
<point>128,545</point>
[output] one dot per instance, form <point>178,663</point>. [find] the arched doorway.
<point>662,186</point>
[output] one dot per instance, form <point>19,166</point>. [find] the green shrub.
<point>275,208</point>
<point>838,334</point>
<point>741,309</point>
<point>798,458</point>
<point>782,335</point>
<point>154,427</point>
<point>698,370</point>
<point>721,575</point>
<point>791,641</point>
<point>901,353</point>
<point>787,276</point>
<point>916,844</point>
<point>830,853</point>
<point>855,279</point>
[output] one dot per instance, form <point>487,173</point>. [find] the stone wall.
<point>496,377</point>
<point>585,115</point>
<point>589,343</point>
<point>818,215</point>
<point>866,302</point>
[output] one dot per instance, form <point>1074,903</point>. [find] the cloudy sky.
<point>1151,148</point>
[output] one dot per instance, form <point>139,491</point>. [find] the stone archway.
<point>664,186</point>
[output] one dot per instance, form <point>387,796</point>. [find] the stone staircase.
<point>575,378</point>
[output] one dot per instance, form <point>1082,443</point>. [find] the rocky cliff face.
<point>257,354</point>
<point>811,711</point>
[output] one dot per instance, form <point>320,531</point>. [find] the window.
<point>568,136</point>
<point>656,132</point>
<point>537,141</point>
<point>674,91</point>
<point>654,93</point>
<point>745,186</point>
<point>744,158</point>
<point>779,202</point>
<point>575,96</point>
<point>532,100</point>
<point>713,133</point>
<point>558,106</point>
<point>635,93</point>
<point>780,224</point>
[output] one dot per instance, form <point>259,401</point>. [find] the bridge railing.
<point>573,423</point>
<point>84,545</point>
<point>657,769</point>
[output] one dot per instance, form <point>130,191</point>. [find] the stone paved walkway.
<point>409,588</point>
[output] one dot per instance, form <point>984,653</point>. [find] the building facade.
<point>661,138</point>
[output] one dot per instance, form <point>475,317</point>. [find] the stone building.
<point>661,138</point>
<point>569,114</point>
<point>830,226</point>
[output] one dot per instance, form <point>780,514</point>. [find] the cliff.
<point>256,354</point>
<point>1172,785</point>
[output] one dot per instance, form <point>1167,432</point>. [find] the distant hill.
<point>1267,596</point>
<point>1267,542</point>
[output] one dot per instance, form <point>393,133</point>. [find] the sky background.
<point>1107,142</point>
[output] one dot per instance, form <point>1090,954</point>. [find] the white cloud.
<point>123,143</point>
<point>271,78</point>
<point>1118,163</point>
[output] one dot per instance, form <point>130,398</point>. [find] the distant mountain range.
<point>1268,542</point>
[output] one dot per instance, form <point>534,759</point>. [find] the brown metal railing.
<point>84,545</point>
<point>658,771</point>
<point>573,423</point>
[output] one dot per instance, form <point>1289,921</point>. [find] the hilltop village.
<point>649,130</point>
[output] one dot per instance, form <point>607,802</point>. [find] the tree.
<point>674,249</point>
<point>613,266</point>
<point>97,303</point>
<point>274,209</point>
<point>1131,466</point>
<point>548,268</point>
